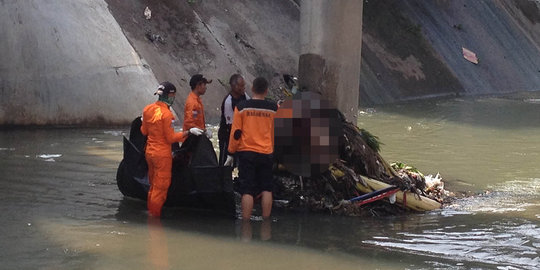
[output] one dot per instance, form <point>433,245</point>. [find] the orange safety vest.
<point>193,112</point>
<point>253,127</point>
<point>157,126</point>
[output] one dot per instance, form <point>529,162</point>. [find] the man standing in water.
<point>194,109</point>
<point>157,126</point>
<point>252,139</point>
<point>237,94</point>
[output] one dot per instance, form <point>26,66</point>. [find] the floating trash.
<point>533,100</point>
<point>49,157</point>
<point>46,156</point>
<point>114,132</point>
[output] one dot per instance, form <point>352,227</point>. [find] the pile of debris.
<point>360,183</point>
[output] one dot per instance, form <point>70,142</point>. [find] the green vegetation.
<point>400,166</point>
<point>371,140</point>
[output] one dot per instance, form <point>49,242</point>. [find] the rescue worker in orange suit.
<point>237,94</point>
<point>157,126</point>
<point>194,109</point>
<point>252,139</point>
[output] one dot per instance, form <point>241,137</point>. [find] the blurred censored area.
<point>306,132</point>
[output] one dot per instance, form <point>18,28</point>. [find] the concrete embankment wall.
<point>68,63</point>
<point>214,38</point>
<point>413,48</point>
<point>509,57</point>
<point>72,63</point>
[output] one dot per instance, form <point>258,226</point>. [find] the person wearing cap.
<point>194,109</point>
<point>237,94</point>
<point>252,139</point>
<point>157,126</point>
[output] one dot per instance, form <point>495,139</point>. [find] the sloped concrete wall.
<point>68,63</point>
<point>509,60</point>
<point>215,38</point>
<point>413,48</point>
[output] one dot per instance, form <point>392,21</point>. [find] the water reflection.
<point>265,230</point>
<point>198,239</point>
<point>158,250</point>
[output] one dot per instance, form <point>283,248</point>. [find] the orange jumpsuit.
<point>193,112</point>
<point>157,126</point>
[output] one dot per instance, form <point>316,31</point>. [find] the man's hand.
<point>229,161</point>
<point>208,133</point>
<point>196,131</point>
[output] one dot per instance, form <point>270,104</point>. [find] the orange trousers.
<point>159,174</point>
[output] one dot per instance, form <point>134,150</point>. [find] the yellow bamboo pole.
<point>413,201</point>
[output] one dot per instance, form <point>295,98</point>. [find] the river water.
<point>61,208</point>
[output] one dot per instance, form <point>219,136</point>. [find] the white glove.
<point>208,134</point>
<point>196,131</point>
<point>229,161</point>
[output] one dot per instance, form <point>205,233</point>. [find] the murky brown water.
<point>61,208</point>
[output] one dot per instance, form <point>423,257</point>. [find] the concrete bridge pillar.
<point>330,47</point>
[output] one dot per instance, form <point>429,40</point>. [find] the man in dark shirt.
<point>237,94</point>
